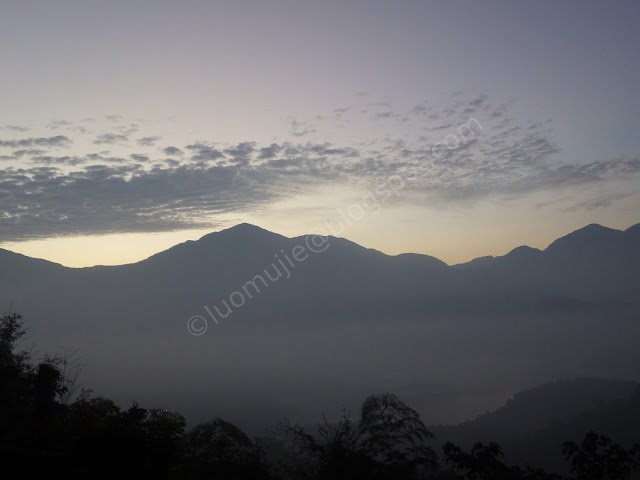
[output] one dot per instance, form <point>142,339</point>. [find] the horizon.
<point>53,260</point>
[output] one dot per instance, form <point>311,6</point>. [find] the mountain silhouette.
<point>593,264</point>
<point>537,408</point>
<point>534,422</point>
<point>295,323</point>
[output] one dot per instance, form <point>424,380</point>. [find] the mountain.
<point>319,321</point>
<point>619,419</point>
<point>537,408</point>
<point>532,425</point>
<point>593,264</point>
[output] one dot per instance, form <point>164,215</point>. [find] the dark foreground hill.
<point>532,425</point>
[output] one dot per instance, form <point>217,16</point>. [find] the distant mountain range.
<point>593,265</point>
<point>329,320</point>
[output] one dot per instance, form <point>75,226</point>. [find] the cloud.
<point>454,158</point>
<point>326,149</point>
<point>44,201</point>
<point>22,153</point>
<point>110,139</point>
<point>147,141</point>
<point>173,151</point>
<point>387,114</point>
<point>598,202</point>
<point>57,141</point>
<point>138,157</point>
<point>269,152</point>
<point>17,128</point>
<point>59,123</point>
<point>204,153</point>
<point>301,128</point>
<point>241,153</point>
<point>51,160</point>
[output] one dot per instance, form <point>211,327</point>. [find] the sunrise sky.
<point>455,129</point>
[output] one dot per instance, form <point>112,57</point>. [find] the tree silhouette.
<point>219,448</point>
<point>46,433</point>
<point>484,462</point>
<point>388,442</point>
<point>394,435</point>
<point>599,458</point>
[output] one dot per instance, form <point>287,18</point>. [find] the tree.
<point>599,458</point>
<point>390,441</point>
<point>219,448</point>
<point>335,452</point>
<point>393,434</point>
<point>11,332</point>
<point>70,367</point>
<point>484,462</point>
<point>17,383</point>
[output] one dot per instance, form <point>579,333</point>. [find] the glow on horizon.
<point>557,101</point>
<point>452,239</point>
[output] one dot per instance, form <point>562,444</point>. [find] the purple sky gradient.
<point>374,84</point>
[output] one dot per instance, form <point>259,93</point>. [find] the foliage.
<point>599,458</point>
<point>49,427</point>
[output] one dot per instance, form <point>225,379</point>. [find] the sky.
<point>455,129</point>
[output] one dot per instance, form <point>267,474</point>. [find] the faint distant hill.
<point>534,423</point>
<point>619,419</point>
<point>537,408</point>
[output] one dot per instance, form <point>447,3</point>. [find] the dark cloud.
<point>478,101</point>
<point>172,151</point>
<point>419,109</point>
<point>326,149</point>
<point>110,139</point>
<point>22,153</point>
<point>138,157</point>
<point>241,153</point>
<point>112,118</point>
<point>17,128</point>
<point>302,133</point>
<point>204,153</point>
<point>461,158</point>
<point>387,115</point>
<point>269,152</point>
<point>57,141</point>
<point>147,141</point>
<point>59,123</point>
<point>51,160</point>
<point>43,201</point>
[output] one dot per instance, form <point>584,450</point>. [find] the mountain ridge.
<point>241,231</point>
<point>337,322</point>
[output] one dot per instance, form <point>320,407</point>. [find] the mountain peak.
<point>633,229</point>
<point>241,230</point>
<point>593,227</point>
<point>523,251</point>
<point>244,226</point>
<point>592,236</point>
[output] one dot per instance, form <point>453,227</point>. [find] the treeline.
<point>47,431</point>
